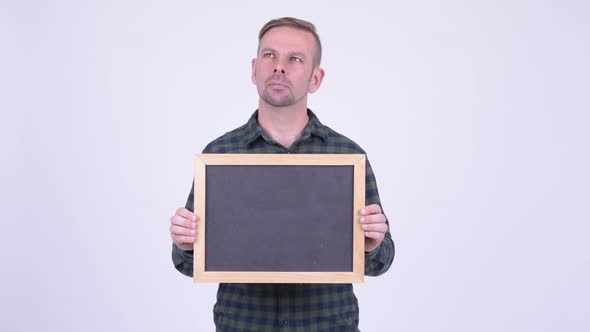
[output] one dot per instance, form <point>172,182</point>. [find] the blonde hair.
<point>298,24</point>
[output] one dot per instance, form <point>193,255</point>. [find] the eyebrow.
<point>266,49</point>
<point>298,54</point>
<point>272,50</point>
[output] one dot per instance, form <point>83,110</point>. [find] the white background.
<point>474,114</point>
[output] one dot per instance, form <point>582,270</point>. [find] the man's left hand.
<point>374,226</point>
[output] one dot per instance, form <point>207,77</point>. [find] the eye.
<point>296,59</point>
<point>268,55</point>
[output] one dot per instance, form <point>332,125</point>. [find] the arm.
<point>183,234</point>
<point>379,247</point>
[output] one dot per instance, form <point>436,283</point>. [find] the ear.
<point>317,77</point>
<point>254,71</point>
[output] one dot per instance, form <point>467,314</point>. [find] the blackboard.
<point>279,218</point>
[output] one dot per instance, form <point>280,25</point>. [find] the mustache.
<point>280,78</point>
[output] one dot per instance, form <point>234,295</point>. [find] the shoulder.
<point>332,141</point>
<point>340,143</point>
<point>228,142</point>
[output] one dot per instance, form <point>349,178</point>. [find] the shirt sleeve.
<point>379,260</point>
<point>183,260</point>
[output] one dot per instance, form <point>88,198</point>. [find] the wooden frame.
<point>357,161</point>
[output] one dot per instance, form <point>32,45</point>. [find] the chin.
<point>278,102</point>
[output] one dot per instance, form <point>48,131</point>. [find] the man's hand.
<point>183,229</point>
<point>373,223</point>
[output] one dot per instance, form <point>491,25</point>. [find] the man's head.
<point>286,67</point>
<point>298,24</point>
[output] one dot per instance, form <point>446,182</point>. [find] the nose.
<point>279,67</point>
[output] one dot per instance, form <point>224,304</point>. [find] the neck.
<point>284,125</point>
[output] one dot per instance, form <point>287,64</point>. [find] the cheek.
<point>257,74</point>
<point>259,78</point>
<point>262,71</point>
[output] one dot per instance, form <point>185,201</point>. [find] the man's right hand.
<point>183,229</point>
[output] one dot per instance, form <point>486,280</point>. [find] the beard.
<point>276,100</point>
<point>281,98</point>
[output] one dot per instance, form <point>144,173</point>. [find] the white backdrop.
<point>474,114</point>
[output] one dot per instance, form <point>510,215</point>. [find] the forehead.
<point>288,39</point>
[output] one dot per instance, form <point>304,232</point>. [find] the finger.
<point>375,235</point>
<point>380,228</point>
<point>180,239</point>
<point>371,209</point>
<point>186,214</point>
<point>182,222</point>
<point>374,219</point>
<point>177,230</point>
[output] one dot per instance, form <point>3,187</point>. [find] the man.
<point>285,70</point>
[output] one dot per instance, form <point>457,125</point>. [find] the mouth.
<point>277,85</point>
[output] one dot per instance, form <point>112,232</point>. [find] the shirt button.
<point>285,322</point>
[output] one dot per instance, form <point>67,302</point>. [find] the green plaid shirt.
<point>289,307</point>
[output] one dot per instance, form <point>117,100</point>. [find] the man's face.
<point>283,70</point>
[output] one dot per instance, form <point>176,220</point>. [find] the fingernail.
<point>362,219</point>
<point>194,225</point>
<point>193,231</point>
<point>363,211</point>
<point>364,226</point>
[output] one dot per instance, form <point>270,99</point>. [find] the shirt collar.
<point>253,130</point>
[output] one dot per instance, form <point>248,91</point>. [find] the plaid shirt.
<point>289,307</point>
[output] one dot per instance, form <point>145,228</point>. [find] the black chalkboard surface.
<point>279,218</point>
